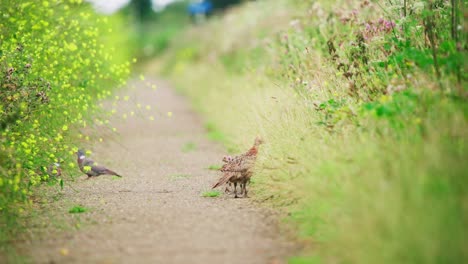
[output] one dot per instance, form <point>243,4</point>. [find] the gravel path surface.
<point>155,213</point>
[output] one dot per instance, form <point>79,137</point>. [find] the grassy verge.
<point>57,59</point>
<point>363,108</point>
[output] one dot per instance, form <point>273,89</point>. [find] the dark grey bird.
<point>90,168</point>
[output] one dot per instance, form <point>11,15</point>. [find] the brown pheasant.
<point>239,169</point>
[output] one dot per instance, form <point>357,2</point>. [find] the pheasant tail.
<point>223,180</point>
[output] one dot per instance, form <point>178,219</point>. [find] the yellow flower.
<point>385,98</point>
<point>64,251</point>
<point>72,47</point>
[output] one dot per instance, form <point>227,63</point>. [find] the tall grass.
<point>365,142</point>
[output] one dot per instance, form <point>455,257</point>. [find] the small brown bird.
<point>88,166</point>
<point>239,169</point>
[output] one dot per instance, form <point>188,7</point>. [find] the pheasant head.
<point>258,141</point>
<point>254,149</point>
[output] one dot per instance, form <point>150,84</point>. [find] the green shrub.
<point>56,60</point>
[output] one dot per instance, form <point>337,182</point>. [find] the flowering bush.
<point>56,59</point>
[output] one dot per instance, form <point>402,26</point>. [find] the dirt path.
<point>156,214</point>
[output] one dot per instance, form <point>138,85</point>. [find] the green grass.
<point>211,193</point>
<point>213,133</point>
<point>214,167</point>
<point>179,176</point>
<point>304,260</point>
<point>78,209</point>
<point>367,157</point>
<point>189,146</point>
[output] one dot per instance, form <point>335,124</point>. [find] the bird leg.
<point>245,190</point>
<point>235,190</point>
<point>228,190</point>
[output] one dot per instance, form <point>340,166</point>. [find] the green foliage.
<point>56,60</point>
<point>364,115</point>
<point>142,9</point>
<point>211,194</point>
<point>78,209</point>
<point>152,32</point>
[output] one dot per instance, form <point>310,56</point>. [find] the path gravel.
<point>155,213</point>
